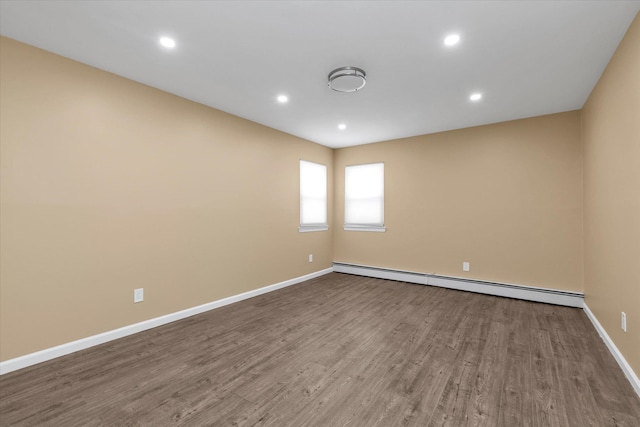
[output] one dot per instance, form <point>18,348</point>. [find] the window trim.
<point>308,228</point>
<point>374,228</point>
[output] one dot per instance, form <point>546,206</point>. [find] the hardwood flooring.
<point>339,350</point>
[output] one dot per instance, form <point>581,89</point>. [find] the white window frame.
<point>351,226</point>
<point>316,226</point>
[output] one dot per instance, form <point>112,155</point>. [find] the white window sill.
<point>312,228</point>
<point>374,228</point>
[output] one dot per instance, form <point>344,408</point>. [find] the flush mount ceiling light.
<point>347,79</point>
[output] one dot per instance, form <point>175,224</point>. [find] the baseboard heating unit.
<point>529,293</point>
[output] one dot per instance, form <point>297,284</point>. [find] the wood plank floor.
<point>335,351</point>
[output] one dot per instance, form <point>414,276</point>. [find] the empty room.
<point>319,213</point>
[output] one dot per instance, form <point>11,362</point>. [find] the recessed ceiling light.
<point>342,126</point>
<point>167,42</point>
<point>282,99</point>
<point>475,96</point>
<point>452,39</point>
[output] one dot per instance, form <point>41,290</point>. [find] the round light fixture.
<point>452,39</point>
<point>167,42</point>
<point>283,99</point>
<point>347,79</point>
<point>476,97</point>
<point>342,126</point>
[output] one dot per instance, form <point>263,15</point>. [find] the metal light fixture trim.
<point>355,75</point>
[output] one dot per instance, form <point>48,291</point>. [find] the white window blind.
<point>364,197</point>
<point>313,196</point>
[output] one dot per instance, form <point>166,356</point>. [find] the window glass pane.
<point>314,212</point>
<point>366,211</point>
<point>364,194</point>
<point>313,193</point>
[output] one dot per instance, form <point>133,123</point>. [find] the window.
<point>313,197</point>
<point>364,197</point>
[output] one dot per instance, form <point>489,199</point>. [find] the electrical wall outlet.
<point>138,295</point>
<point>310,257</point>
<point>465,266</point>
<point>623,321</point>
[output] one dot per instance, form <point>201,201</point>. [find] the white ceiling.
<point>527,57</point>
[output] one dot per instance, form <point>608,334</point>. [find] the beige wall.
<point>108,185</point>
<point>505,197</point>
<point>611,135</point>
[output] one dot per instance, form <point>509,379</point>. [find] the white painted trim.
<point>376,229</point>
<point>312,228</point>
<point>381,273</point>
<point>529,293</point>
<point>626,368</point>
<point>84,343</point>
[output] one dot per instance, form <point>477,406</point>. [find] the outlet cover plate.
<point>138,295</point>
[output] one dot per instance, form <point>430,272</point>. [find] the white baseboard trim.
<point>529,293</point>
<point>626,368</point>
<point>84,343</point>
